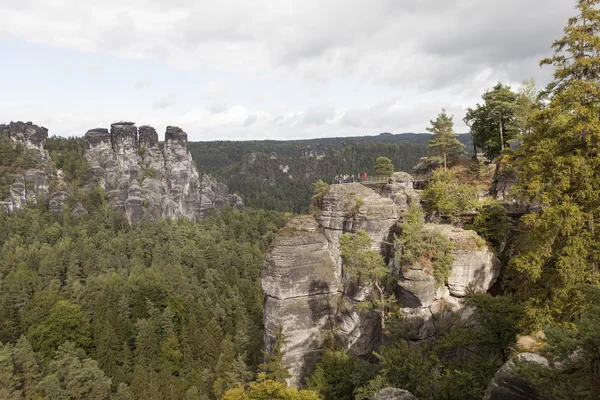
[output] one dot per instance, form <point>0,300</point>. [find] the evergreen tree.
<point>273,367</point>
<point>502,103</point>
<point>560,171</point>
<point>444,142</point>
<point>73,376</point>
<point>493,122</point>
<point>65,322</point>
<point>27,367</point>
<point>264,389</point>
<point>384,166</point>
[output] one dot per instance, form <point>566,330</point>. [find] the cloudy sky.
<point>265,69</point>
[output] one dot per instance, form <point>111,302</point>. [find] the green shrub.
<point>445,196</point>
<point>418,244</point>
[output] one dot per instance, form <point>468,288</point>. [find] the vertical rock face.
<point>144,181</point>
<point>33,184</point>
<point>303,280</point>
<point>31,135</point>
<point>141,179</point>
<point>306,291</point>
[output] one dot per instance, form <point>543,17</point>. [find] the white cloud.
<point>165,101</point>
<point>142,83</point>
<point>422,43</point>
<point>419,55</point>
<point>214,90</point>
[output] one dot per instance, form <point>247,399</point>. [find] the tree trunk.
<point>444,162</point>
<point>501,133</point>
<point>382,311</point>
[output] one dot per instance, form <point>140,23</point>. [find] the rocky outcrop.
<point>308,152</point>
<point>475,265</point>
<point>401,190</point>
<point>145,181</point>
<point>32,136</point>
<point>306,290</point>
<point>504,178</point>
<point>507,384</point>
<point>141,179</point>
<point>430,308</point>
<point>393,394</point>
<point>31,185</point>
<point>303,281</point>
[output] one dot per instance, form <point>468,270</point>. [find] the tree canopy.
<point>384,166</point>
<point>560,171</point>
<point>444,143</point>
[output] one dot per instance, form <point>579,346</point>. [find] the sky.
<point>266,69</point>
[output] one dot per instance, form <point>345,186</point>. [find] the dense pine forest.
<point>272,175</point>
<point>168,309</point>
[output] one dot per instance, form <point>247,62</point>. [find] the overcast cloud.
<point>266,68</point>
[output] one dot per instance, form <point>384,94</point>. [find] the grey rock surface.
<point>303,281</point>
<point>141,179</point>
<point>33,185</point>
<point>306,290</point>
<point>393,394</point>
<point>145,181</point>
<point>401,190</point>
<point>508,385</point>
<point>475,264</point>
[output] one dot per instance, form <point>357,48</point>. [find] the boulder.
<point>418,286</point>
<point>400,190</point>
<point>393,394</point>
<point>508,385</point>
<point>475,264</point>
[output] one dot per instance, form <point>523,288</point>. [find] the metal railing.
<point>379,179</point>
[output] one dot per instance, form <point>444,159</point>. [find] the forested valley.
<point>96,304</point>
<point>272,175</point>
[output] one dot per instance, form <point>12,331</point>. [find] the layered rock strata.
<point>33,184</point>
<point>307,293</point>
<point>146,181</point>
<point>141,178</point>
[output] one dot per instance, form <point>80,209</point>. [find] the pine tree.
<point>444,142</point>
<point>560,171</point>
<point>384,166</point>
<point>273,366</point>
<point>502,103</point>
<point>492,123</point>
<point>27,366</point>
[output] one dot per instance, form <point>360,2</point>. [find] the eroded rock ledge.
<point>303,279</point>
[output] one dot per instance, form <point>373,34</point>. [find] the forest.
<point>261,182</point>
<point>95,307</point>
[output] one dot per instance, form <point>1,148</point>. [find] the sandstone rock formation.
<point>401,190</point>
<point>306,291</point>
<point>146,181</point>
<point>508,385</point>
<point>33,184</point>
<point>141,179</point>
<point>393,394</point>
